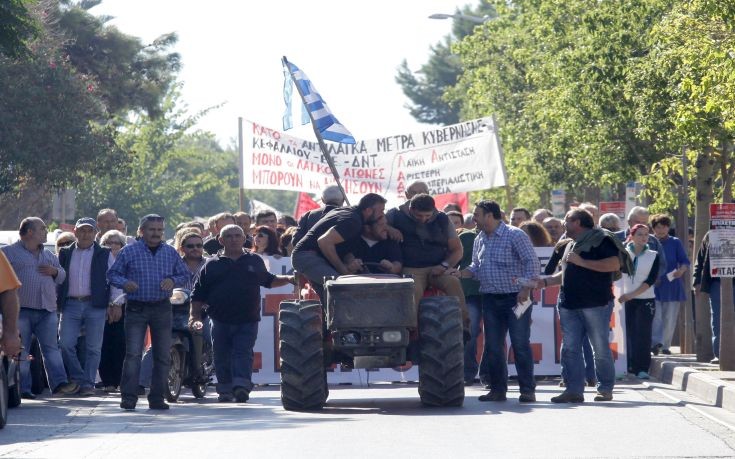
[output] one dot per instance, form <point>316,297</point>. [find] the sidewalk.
<point>702,380</point>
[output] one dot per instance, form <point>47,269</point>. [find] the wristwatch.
<point>444,264</point>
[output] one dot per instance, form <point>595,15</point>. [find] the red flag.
<point>461,199</point>
<point>304,203</point>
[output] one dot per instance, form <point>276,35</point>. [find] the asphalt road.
<point>384,420</point>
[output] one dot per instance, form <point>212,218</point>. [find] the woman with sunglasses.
<point>266,242</point>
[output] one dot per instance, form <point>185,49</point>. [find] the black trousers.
<point>113,353</point>
<point>638,320</point>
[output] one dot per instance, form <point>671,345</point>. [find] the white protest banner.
<point>545,337</point>
<point>458,158</point>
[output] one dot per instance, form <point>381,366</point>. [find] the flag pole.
<point>322,145</point>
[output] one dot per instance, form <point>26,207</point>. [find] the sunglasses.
<point>193,246</point>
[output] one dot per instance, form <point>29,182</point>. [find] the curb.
<point>695,378</point>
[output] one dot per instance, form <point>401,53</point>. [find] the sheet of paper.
<point>521,308</point>
<point>670,276</point>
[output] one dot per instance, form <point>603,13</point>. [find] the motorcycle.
<point>184,370</point>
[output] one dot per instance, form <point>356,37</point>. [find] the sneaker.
<point>562,383</point>
<point>28,396</point>
<point>527,398</point>
<point>603,396</point>
<point>643,375</point>
<point>492,397</point>
<point>241,394</point>
<point>591,383</point>
<point>666,352</point>
<point>109,389</point>
<point>127,405</point>
<point>568,397</point>
<point>86,392</point>
<point>656,348</point>
<point>158,405</point>
<point>225,398</point>
<point>715,361</point>
<point>67,388</point>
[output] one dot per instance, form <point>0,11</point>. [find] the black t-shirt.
<point>308,220</point>
<point>584,288</point>
<point>231,288</point>
<point>212,246</point>
<point>382,250</point>
<point>346,220</point>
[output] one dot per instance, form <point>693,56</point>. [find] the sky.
<point>231,53</point>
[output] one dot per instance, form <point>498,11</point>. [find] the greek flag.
<point>287,98</point>
<point>329,127</point>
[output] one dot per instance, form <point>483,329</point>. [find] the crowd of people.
<point>89,305</point>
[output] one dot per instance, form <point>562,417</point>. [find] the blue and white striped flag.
<point>329,127</point>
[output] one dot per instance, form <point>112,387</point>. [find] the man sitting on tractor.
<point>373,251</point>
<point>316,256</point>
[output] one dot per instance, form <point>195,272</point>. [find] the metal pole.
<point>240,165</point>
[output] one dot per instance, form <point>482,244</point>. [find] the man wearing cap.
<point>83,300</point>
<point>147,271</point>
<point>331,198</point>
<point>39,272</point>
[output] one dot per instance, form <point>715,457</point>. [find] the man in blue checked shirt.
<point>504,262</point>
<point>147,271</point>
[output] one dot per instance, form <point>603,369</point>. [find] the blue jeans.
<point>43,324</point>
<point>474,309</point>
<point>232,346</point>
<point>78,314</point>
<point>595,321</point>
<point>138,317</point>
<point>499,320</point>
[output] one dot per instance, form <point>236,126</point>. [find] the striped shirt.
<point>503,260</point>
<point>136,262</point>
<point>38,290</point>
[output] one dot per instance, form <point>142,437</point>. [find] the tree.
<point>49,114</point>
<point>684,91</point>
<point>170,171</point>
<point>17,28</point>
<point>554,73</point>
<point>440,72</point>
<point>129,75</point>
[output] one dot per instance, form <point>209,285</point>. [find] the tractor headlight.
<point>392,336</point>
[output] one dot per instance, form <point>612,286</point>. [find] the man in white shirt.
<point>84,300</point>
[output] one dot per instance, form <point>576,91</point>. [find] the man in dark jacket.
<point>83,300</point>
<point>229,283</point>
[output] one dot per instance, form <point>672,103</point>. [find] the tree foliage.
<point>426,87</point>
<point>17,28</point>
<point>61,101</point>
<point>554,74</point>
<point>170,171</point>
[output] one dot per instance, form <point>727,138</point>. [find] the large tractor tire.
<point>441,365</point>
<point>303,375</point>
